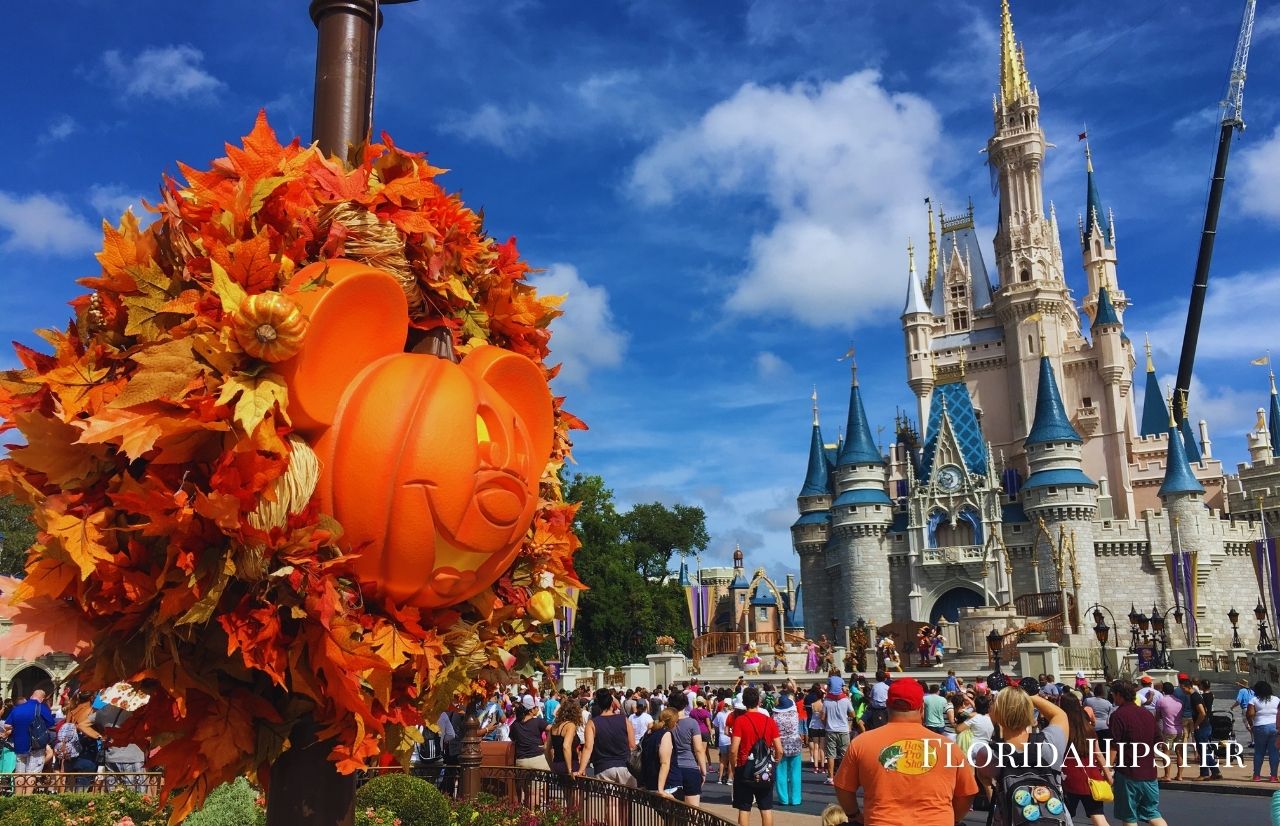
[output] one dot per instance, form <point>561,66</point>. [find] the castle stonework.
<point>1035,479</point>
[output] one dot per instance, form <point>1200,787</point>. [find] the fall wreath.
<point>172,495</point>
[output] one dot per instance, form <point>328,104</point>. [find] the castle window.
<point>1025,275</point>
<point>959,320</point>
<point>1017,529</point>
<point>1031,344</point>
<point>877,508</point>
<point>1088,401</point>
<point>1079,489</point>
<point>1053,491</point>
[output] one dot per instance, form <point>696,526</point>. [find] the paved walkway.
<point>1232,801</point>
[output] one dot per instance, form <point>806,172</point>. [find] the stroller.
<point>1223,726</point>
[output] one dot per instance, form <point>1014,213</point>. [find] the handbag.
<point>1100,790</point>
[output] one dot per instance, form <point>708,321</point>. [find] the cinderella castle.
<point>1035,482</point>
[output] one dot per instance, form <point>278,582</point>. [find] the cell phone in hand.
<point>673,789</point>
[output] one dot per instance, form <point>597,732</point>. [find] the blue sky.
<point>725,189</point>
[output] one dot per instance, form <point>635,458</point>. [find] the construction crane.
<point>1232,111</point>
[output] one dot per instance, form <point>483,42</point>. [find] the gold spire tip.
<point>1151,365</point>
<point>815,405</point>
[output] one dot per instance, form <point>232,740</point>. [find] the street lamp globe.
<point>1260,613</point>
<point>1102,631</point>
<point>1233,616</point>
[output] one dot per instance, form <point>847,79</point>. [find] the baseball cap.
<point>1146,679</point>
<point>1183,677</point>
<point>1080,675</point>
<point>906,695</point>
<point>528,702</point>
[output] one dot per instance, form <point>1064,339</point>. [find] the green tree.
<point>17,534</point>
<point>625,561</point>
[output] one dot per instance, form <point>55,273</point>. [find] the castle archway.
<point>949,603</point>
<point>28,679</point>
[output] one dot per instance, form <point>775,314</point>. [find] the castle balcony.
<point>957,554</point>
<point>1087,420</point>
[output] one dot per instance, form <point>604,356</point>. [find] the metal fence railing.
<point>592,800</point>
<point>145,783</point>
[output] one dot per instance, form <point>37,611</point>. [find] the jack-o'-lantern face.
<point>431,467</point>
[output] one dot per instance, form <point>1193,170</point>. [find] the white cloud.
<point>1226,333</point>
<point>586,336</point>
<point>112,200</point>
<point>504,128</point>
<point>1260,178</point>
<point>59,129</point>
<point>844,166</point>
<point>771,366</point>
<point>40,223</point>
<point>163,72</point>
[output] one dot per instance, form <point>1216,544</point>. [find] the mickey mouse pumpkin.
<point>432,468</point>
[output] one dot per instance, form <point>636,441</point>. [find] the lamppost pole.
<point>1102,632</point>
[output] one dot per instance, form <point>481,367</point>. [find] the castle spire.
<point>859,446</point>
<point>1014,84</point>
<point>1178,478</point>
<point>1095,214</point>
<point>1155,415</point>
<point>817,477</point>
<point>933,251</point>
<point>1051,423</point>
<point>1274,424</point>
<point>915,297</point>
<point>1106,313</point>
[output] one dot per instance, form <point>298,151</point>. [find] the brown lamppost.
<point>306,789</point>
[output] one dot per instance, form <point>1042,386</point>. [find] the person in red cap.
<point>907,773</point>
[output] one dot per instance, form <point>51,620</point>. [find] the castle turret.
<point>1059,498</point>
<point>860,518</point>
<point>810,532</point>
<point>1193,543</point>
<point>1113,368</point>
<point>1032,301</point>
<point>917,329</point>
<point>1098,249</point>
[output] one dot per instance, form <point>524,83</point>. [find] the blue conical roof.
<point>1051,423</point>
<point>859,447</point>
<point>1155,414</point>
<point>1178,477</point>
<point>683,580</point>
<point>1106,313</point>
<point>816,480</point>
<point>1273,421</point>
<point>1189,442</point>
<point>1094,213</point>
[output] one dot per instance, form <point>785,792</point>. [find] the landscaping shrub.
<point>231,804</point>
<point>412,799</point>
<point>489,811</point>
<point>118,808</point>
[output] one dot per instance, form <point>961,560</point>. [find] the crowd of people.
<point>48,749</point>
<point>920,752</point>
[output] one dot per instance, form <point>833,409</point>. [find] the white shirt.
<point>982,727</point>
<point>1264,711</point>
<point>722,718</point>
<point>640,724</point>
<point>1147,697</point>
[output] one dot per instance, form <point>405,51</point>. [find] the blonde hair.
<point>1013,710</point>
<point>833,815</point>
<point>666,720</point>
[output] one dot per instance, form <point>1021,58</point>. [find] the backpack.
<point>38,732</point>
<point>1029,793</point>
<point>66,746</point>
<point>760,763</point>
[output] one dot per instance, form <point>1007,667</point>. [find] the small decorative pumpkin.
<point>269,326</point>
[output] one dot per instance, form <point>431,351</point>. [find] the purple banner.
<point>1273,581</point>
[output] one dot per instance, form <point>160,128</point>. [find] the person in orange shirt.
<point>907,773</point>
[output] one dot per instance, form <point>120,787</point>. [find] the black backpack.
<point>38,732</point>
<point>760,763</point>
<point>1029,793</point>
